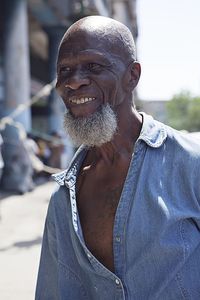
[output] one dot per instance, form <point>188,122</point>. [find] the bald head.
<point>96,69</point>
<point>111,34</point>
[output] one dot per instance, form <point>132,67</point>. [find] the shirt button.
<point>88,255</point>
<point>117,281</point>
<point>118,239</point>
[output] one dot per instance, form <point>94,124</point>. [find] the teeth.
<point>81,100</point>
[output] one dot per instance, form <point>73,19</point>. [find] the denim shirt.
<point>156,235</point>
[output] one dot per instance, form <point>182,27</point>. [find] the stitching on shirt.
<point>185,245</point>
<point>133,171</point>
<point>74,276</point>
<point>178,277</point>
<point>183,291</point>
<point>160,140</point>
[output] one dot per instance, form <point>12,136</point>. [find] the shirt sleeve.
<point>47,281</point>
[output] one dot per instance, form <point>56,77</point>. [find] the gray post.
<point>18,170</point>
<point>16,57</point>
<point>55,105</point>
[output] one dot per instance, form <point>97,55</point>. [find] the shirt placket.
<point>122,213</point>
<point>70,182</point>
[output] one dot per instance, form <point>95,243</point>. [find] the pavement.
<point>22,220</point>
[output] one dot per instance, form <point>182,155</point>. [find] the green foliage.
<point>184,112</point>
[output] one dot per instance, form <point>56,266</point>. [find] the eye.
<point>64,70</point>
<point>94,67</point>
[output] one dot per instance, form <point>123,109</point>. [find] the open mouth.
<point>81,100</point>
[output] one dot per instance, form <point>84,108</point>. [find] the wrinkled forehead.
<point>79,40</point>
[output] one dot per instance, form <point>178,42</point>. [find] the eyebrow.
<point>84,55</point>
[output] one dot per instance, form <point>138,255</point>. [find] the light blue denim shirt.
<point>156,236</point>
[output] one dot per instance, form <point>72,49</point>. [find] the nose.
<point>76,80</point>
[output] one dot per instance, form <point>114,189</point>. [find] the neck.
<point>129,127</point>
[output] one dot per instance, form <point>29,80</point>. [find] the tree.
<point>184,112</point>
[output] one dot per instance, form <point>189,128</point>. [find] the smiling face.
<point>90,71</point>
<point>92,67</point>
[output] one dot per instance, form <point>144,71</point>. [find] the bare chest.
<point>97,205</point>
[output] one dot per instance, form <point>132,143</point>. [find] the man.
<point>125,220</point>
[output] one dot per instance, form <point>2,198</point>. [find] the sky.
<point>168,48</point>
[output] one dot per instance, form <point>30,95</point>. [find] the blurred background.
<point>33,144</point>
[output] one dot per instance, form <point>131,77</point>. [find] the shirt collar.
<point>69,175</point>
<point>153,133</point>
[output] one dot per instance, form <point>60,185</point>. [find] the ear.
<point>133,74</point>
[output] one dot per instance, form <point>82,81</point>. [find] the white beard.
<point>95,130</point>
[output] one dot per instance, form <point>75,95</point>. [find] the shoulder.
<point>58,202</point>
<point>185,144</point>
<point>183,152</point>
<point>158,135</point>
